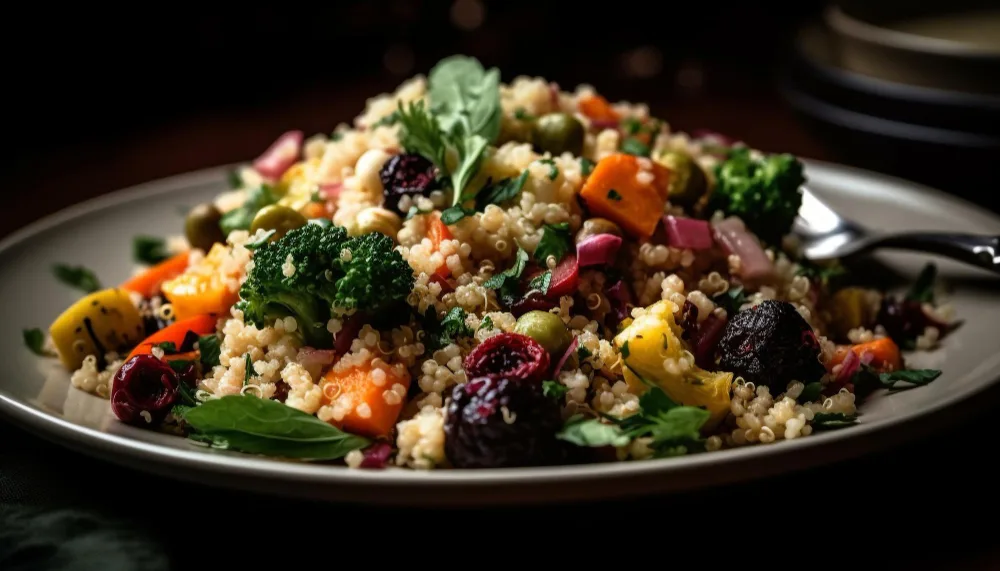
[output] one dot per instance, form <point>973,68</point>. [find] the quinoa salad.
<point>478,274</point>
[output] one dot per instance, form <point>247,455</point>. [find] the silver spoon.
<point>824,235</point>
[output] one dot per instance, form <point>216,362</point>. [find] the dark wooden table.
<point>926,505</point>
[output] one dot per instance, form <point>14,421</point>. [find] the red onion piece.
<point>331,191</point>
<point>705,339</point>
<point>866,357</point>
<point>688,233</point>
<point>598,250</point>
<point>569,351</point>
<point>377,456</point>
<point>620,298</point>
<point>849,366</point>
<point>604,123</point>
<point>319,357</point>
<point>279,156</point>
<point>736,240</point>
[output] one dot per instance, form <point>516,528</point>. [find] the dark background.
<point>102,98</point>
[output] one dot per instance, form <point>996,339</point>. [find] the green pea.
<point>558,133</point>
<point>201,227</point>
<point>281,219</point>
<point>546,328</point>
<point>687,181</point>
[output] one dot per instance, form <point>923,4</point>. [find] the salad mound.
<point>478,274</point>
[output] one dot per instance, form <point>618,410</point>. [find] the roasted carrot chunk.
<point>597,108</point>
<point>438,232</point>
<point>367,398</point>
<point>176,333</point>
<point>209,286</point>
<point>148,282</point>
<point>885,354</point>
<point>628,190</point>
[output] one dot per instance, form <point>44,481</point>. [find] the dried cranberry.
<point>770,344</point>
<point>508,355</point>
<point>377,455</point>
<point>688,319</point>
<point>281,389</point>
<point>144,384</point>
<point>502,423</point>
<point>406,174</point>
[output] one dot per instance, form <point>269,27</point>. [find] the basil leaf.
<point>810,392</point>
<point>261,426</point>
<point>455,213</point>
<point>149,250</point>
<point>500,192</point>
<point>592,433</point>
<point>832,420</point>
<point>209,346</point>
<point>241,218</point>
<point>34,339</point>
<point>77,277</point>
<point>466,98</point>
<point>264,239</point>
<point>922,289</point>
<point>556,241</point>
<point>554,389</point>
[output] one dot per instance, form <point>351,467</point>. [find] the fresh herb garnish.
<point>78,277</point>
<point>248,372</point>
<point>582,352</point>
<point>625,351</point>
<point>500,192</point>
<point>833,420</point>
<point>614,195</point>
<point>168,347</point>
<point>810,392</point>
<point>731,300</point>
<point>586,166</point>
<point>242,217</point>
<point>506,282</point>
<point>180,365</point>
<point>866,380</point>
<point>209,346</point>
<point>634,146</point>
<point>387,121</point>
<point>254,425</point>
<point>185,395</point>
<point>554,389</point>
<point>264,239</point>
<point>451,327</point>
<point>453,214</point>
<point>414,211</point>
<point>553,169</point>
<point>541,282</point>
<point>149,250</point>
<point>922,289</point>
<point>234,179</point>
<point>592,433</point>
<point>556,241</point>
<point>34,339</point>
<point>486,323</point>
<point>521,115</point>
<point>822,273</point>
<point>631,125</point>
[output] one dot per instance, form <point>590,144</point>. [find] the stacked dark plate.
<point>914,94</point>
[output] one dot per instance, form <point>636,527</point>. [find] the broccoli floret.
<point>763,192</point>
<point>318,267</point>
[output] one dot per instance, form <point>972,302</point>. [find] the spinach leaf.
<point>556,241</point>
<point>149,250</point>
<point>77,277</point>
<point>242,217</point>
<point>260,426</point>
<point>466,97</point>
<point>866,380</point>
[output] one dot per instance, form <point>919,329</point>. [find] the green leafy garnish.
<point>614,195</point>
<point>209,346</point>
<point>242,217</point>
<point>248,373</point>
<point>631,125</point>
<point>234,179</point>
<point>554,389</point>
<point>486,323</point>
<point>592,433</point>
<point>34,339</point>
<point>253,425</point>
<point>586,166</point>
<point>506,282</point>
<point>168,347</point>
<point>624,350</point>
<point>553,169</point>
<point>731,300</point>
<point>264,239</point>
<point>149,250</point>
<point>823,273</point>
<point>455,213</point>
<point>521,115</point>
<point>448,330</point>
<point>179,365</point>
<point>810,392</point>
<point>866,380</point>
<point>556,241</point>
<point>414,211</point>
<point>185,396</point>
<point>582,352</point>
<point>922,289</point>
<point>541,282</point>
<point>633,146</point>
<point>77,277</point>
<point>833,420</point>
<point>500,192</point>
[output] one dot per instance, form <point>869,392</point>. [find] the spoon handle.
<point>979,250</point>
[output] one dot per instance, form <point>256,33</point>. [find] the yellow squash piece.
<point>652,342</point>
<point>100,322</point>
<point>208,286</point>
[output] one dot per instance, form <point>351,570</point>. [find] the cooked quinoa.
<point>600,282</point>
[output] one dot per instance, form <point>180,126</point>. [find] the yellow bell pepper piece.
<point>207,287</point>
<point>99,323</point>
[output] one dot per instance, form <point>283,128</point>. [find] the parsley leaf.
<point>582,352</point>
<point>614,195</point>
<point>554,389</point>
<point>168,347</point>
<point>832,420</point>
<point>455,213</point>
<point>234,179</point>
<point>242,217</point>
<point>586,166</point>
<point>209,346</point>
<point>553,169</point>
<point>922,289</point>
<point>556,241</point>
<point>149,250</point>
<point>448,330</point>
<point>421,133</point>
<point>866,380</point>
<point>731,300</point>
<point>633,146</point>
<point>34,339</point>
<point>592,432</point>
<point>249,372</point>
<point>500,192</point>
<point>541,282</point>
<point>486,323</point>
<point>810,392</point>
<point>506,282</point>
<point>522,115</point>
<point>78,277</point>
<point>823,273</point>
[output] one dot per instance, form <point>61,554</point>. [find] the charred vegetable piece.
<point>770,344</point>
<point>101,322</point>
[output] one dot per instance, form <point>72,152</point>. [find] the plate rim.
<point>138,453</point>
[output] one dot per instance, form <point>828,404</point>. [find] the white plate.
<point>36,394</point>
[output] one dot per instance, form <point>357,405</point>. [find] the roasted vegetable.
<point>623,191</point>
<point>101,322</point>
<point>205,287</point>
<point>653,354</point>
